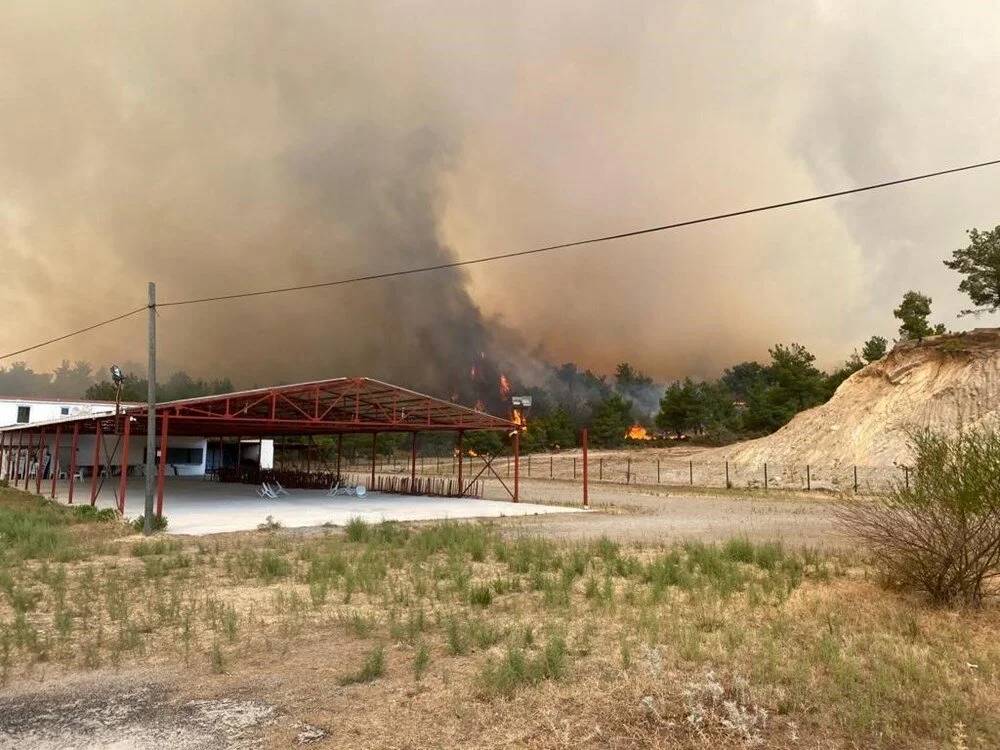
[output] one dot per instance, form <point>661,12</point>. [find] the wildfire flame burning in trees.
<point>517,417</point>
<point>638,432</point>
<point>504,387</point>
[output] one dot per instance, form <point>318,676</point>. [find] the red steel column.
<point>97,464</point>
<point>586,495</point>
<point>340,445</point>
<point>517,466</point>
<point>27,459</point>
<point>461,487</point>
<point>124,470</point>
<point>38,460</point>
<point>163,462</point>
<point>72,460</point>
<point>17,458</point>
<point>55,459</point>
<point>413,461</point>
<point>374,441</point>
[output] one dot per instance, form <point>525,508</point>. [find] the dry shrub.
<point>939,533</point>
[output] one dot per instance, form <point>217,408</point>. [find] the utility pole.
<point>147,525</point>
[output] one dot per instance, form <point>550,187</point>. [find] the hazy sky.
<point>223,146</point>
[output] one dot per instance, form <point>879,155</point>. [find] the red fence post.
<point>517,466</point>
<point>586,494</point>
<point>374,448</point>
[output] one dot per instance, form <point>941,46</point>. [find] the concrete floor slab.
<point>197,506</point>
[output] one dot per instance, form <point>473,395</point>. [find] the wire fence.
<point>641,470</point>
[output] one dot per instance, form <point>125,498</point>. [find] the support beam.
<point>340,446</point>
<point>27,459</point>
<point>161,467</point>
<point>517,466</point>
<point>413,460</point>
<point>72,460</point>
<point>54,463</point>
<point>39,452</point>
<point>374,447</point>
<point>123,479</point>
<point>3,453</point>
<point>461,490</point>
<point>97,464</point>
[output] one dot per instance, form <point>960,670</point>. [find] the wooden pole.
<point>808,479</point>
<point>374,447</point>
<point>586,492</point>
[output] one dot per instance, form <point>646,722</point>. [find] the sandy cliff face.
<point>943,382</point>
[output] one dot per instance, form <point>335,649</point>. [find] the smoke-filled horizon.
<point>229,146</point>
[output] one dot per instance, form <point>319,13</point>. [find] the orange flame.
<point>638,432</point>
<point>504,387</point>
<point>517,417</point>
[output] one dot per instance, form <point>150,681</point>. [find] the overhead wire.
<point>509,255</point>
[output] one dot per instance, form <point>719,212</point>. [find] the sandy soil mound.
<point>943,382</point>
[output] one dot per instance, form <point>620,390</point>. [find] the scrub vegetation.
<point>454,634</point>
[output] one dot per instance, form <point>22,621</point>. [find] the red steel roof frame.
<point>321,407</point>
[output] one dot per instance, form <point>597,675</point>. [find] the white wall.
<point>41,411</point>
<point>136,455</point>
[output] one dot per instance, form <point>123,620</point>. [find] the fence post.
<point>728,485</point>
<point>691,473</point>
<point>628,470</point>
<point>906,476</point>
<point>808,479</point>
<point>574,467</point>
<point>855,480</point>
<point>586,491</point>
<point>550,467</point>
<point>529,464</point>
<point>657,471</point>
<point>600,468</point>
<point>765,476</point>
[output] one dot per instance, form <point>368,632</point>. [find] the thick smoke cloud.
<point>232,145</point>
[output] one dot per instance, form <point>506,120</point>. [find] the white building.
<point>186,456</point>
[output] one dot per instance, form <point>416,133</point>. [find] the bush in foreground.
<point>159,523</point>
<point>940,532</point>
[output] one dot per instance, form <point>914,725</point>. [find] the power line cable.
<point>515,254</point>
<point>75,333</point>
<point>576,243</point>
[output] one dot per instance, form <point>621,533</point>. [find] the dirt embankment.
<point>944,383</point>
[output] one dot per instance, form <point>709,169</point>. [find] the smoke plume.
<point>233,145</point>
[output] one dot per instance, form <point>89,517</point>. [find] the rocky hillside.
<point>943,382</point>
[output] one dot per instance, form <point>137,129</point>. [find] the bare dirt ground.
<point>658,514</point>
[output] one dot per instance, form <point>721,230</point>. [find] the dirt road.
<point>650,514</point>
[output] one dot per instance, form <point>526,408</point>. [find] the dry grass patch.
<point>451,635</point>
